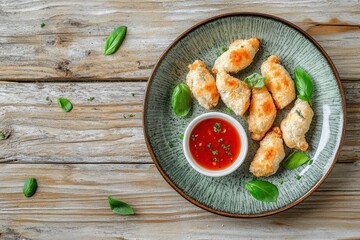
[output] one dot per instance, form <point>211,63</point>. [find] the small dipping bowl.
<point>243,147</point>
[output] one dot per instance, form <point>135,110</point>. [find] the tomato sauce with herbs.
<point>214,143</point>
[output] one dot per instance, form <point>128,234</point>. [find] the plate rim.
<point>167,178</point>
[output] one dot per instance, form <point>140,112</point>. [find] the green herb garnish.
<point>295,160</point>
<point>215,160</point>
<point>217,127</point>
<point>181,100</point>
<point>298,177</point>
<point>255,80</point>
<point>5,134</point>
<point>221,51</point>
<point>42,25</point>
<point>2,135</point>
<point>225,147</point>
<point>209,145</point>
<point>65,104</point>
<point>30,187</point>
<point>310,162</point>
<point>170,144</point>
<point>262,190</point>
<point>298,112</point>
<point>220,140</point>
<point>181,136</point>
<point>91,99</point>
<point>133,94</point>
<point>215,152</point>
<point>114,40</point>
<point>229,153</point>
<point>48,99</point>
<point>119,207</point>
<point>228,110</point>
<point>281,181</point>
<point>130,115</point>
<point>304,84</point>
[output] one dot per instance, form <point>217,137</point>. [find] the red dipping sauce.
<point>214,144</point>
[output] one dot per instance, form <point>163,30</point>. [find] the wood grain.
<point>70,46</point>
<point>71,204</point>
<point>81,157</point>
<point>97,131</point>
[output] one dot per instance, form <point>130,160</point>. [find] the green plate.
<point>227,195</point>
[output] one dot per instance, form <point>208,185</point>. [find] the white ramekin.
<point>243,149</point>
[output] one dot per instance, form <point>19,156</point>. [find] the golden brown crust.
<point>239,56</point>
<point>262,113</point>
<point>202,84</point>
<point>234,93</point>
<point>269,155</point>
<point>278,81</point>
<point>296,124</point>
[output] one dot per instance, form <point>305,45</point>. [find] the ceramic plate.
<point>227,195</point>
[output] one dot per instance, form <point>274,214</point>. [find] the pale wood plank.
<point>93,131</point>
<point>71,204</point>
<point>96,131</point>
<point>70,46</point>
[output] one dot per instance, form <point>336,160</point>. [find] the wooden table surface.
<point>81,157</point>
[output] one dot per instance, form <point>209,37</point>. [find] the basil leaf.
<point>119,207</point>
<point>255,80</point>
<point>228,110</point>
<point>114,40</point>
<point>5,134</point>
<point>295,160</point>
<point>65,104</point>
<point>221,51</point>
<point>170,144</point>
<point>304,84</point>
<point>130,115</point>
<point>262,190</point>
<point>30,187</point>
<point>181,100</point>
<point>2,135</point>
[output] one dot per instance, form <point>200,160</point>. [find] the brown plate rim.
<point>167,177</point>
